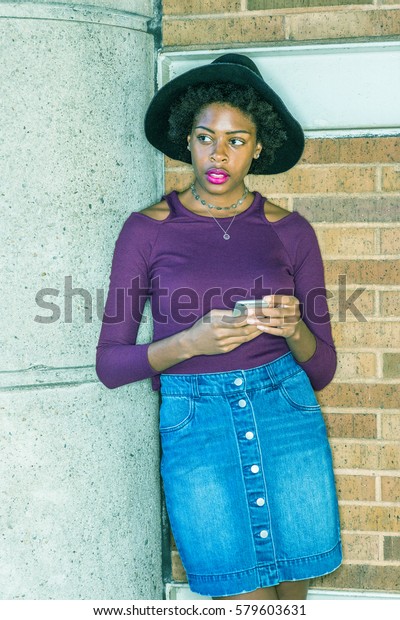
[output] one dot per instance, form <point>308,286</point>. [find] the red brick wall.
<point>349,188</point>
<point>202,22</point>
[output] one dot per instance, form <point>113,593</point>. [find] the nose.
<point>219,152</point>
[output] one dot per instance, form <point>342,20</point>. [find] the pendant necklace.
<point>225,236</point>
<point>225,231</point>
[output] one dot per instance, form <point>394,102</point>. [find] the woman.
<point>246,464</point>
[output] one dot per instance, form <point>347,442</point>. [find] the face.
<point>223,143</point>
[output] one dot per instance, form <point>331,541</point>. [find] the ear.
<point>258,150</point>
<point>188,142</point>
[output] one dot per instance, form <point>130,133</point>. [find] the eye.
<point>204,138</point>
<point>237,141</point>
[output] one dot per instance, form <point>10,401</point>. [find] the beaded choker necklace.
<point>211,206</point>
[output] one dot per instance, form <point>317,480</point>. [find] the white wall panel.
<point>339,89</point>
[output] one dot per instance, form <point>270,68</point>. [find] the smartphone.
<point>242,306</point>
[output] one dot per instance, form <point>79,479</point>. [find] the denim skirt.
<point>248,479</point>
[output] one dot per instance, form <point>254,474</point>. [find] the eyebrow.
<point>228,132</point>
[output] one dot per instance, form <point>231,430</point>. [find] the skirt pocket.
<point>297,391</point>
<point>175,412</point>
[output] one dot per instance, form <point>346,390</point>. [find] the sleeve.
<point>119,360</point>
<point>310,290</point>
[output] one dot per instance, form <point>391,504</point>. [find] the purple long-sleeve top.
<point>186,268</point>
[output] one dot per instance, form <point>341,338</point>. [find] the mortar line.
<point>389,473</point>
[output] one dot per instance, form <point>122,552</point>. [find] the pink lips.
<point>217,176</point>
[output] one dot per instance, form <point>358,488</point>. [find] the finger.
<point>274,331</point>
<point>218,313</point>
<point>234,343</point>
<point>279,300</point>
<point>224,317</point>
<point>233,321</point>
<point>275,321</point>
<point>241,332</point>
<point>279,312</point>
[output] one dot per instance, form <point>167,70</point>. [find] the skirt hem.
<point>264,576</point>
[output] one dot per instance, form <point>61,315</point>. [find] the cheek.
<point>199,156</point>
<point>247,160</point>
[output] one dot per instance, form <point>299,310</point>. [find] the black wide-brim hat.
<point>233,68</point>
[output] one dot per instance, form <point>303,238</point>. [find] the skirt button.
<point>242,402</point>
<point>264,534</point>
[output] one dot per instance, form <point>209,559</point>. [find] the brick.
<point>197,7</point>
<point>178,573</point>
<point>363,302</point>
<point>391,365</point>
<point>360,546</point>
<point>356,365</point>
<point>390,240</point>
<point>225,30</point>
<point>360,425</point>
<point>174,163</point>
<point>356,488</point>
<point>344,209</point>
<point>365,456</point>
<point>347,242</point>
<point>343,24</point>
<point>372,518</point>
<point>257,5</point>
<point>390,488</point>
<point>280,201</point>
<point>178,181</point>
<point>391,178</point>
<point>321,151</point>
<point>389,303</point>
<point>317,180</point>
<point>361,577</point>
<point>369,335</point>
<point>369,271</point>
<point>351,150</point>
<point>365,425</point>
<point>391,426</point>
<point>372,395</point>
<point>391,548</point>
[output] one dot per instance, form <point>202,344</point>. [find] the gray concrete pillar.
<point>80,490</point>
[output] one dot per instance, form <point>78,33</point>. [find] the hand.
<point>280,318</point>
<point>219,331</point>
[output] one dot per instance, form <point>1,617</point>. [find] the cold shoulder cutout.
<point>159,211</point>
<point>274,213</point>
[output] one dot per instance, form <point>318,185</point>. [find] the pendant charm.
<point>226,236</point>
